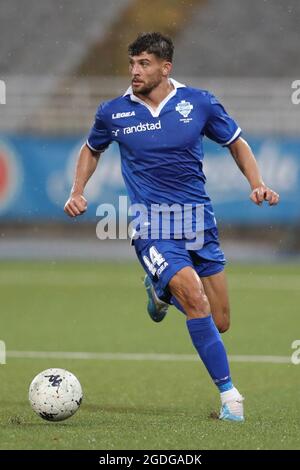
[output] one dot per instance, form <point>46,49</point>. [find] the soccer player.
<point>159,125</point>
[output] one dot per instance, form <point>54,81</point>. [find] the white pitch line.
<point>264,359</point>
<point>139,357</point>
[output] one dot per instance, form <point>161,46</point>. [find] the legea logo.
<point>142,127</point>
<point>2,92</point>
<point>123,115</point>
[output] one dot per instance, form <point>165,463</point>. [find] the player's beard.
<point>148,87</point>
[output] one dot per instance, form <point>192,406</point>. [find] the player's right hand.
<point>75,205</point>
<point>263,193</point>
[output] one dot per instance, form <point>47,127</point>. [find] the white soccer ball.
<point>55,394</point>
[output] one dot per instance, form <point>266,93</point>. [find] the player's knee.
<point>197,304</point>
<point>189,292</point>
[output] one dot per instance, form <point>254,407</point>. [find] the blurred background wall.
<point>60,59</point>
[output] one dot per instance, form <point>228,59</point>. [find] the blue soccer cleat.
<point>233,411</point>
<point>156,308</point>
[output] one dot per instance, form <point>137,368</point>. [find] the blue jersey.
<point>161,150</point>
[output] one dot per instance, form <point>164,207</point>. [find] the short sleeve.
<point>220,127</point>
<point>99,136</point>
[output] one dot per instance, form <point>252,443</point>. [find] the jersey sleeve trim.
<point>234,137</point>
<point>90,147</point>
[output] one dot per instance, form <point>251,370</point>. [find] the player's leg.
<point>188,290</point>
<point>170,269</point>
<point>161,259</point>
<point>215,287</point>
<point>209,263</point>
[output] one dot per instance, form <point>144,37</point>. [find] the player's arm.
<point>245,160</point>
<point>86,165</point>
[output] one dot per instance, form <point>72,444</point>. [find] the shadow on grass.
<point>24,420</point>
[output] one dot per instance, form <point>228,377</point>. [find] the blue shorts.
<point>162,259</point>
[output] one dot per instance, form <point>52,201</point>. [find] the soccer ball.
<point>55,394</point>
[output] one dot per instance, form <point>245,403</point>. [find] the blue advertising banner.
<point>36,176</point>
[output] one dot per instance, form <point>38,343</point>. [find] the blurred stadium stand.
<point>41,41</point>
<point>248,56</point>
<point>253,38</point>
<point>51,38</point>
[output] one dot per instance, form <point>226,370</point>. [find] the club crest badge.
<point>184,108</point>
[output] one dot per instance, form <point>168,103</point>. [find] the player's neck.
<point>158,94</point>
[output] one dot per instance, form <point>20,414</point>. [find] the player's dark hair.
<point>152,43</point>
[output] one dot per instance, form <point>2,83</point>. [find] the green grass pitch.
<point>146,404</point>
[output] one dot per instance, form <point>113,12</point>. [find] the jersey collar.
<point>155,112</point>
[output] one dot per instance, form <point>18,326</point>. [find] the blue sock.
<point>207,340</point>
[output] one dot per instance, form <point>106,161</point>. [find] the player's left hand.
<point>263,193</point>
